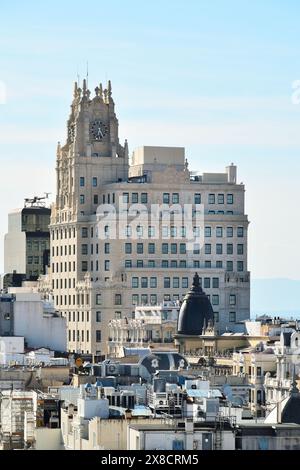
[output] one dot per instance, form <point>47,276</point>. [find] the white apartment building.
<point>103,266</point>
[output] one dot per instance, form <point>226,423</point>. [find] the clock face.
<point>98,130</point>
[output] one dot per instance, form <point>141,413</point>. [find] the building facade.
<point>151,326</point>
<point>109,252</point>
<point>27,243</point>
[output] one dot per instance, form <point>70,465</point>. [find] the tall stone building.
<point>114,242</point>
<point>27,242</point>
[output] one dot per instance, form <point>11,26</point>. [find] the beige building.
<point>119,235</point>
<point>152,326</point>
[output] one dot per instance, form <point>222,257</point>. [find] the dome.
<point>195,312</point>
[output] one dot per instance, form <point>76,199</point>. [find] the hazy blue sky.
<point>215,77</point>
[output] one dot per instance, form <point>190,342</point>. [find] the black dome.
<point>195,312</point>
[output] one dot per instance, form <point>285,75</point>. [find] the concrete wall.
<point>48,439</point>
<point>38,329</point>
<point>164,439</point>
<point>15,245</point>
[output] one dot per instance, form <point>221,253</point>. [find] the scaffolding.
<point>14,405</point>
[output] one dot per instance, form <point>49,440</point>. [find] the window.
<point>139,248</point>
<point>175,282</point>
<point>211,199</point>
<point>151,248</point>
<point>144,198</point>
<point>196,249</point>
<point>106,265</point>
<point>151,263</point>
<point>165,263</point>
<point>153,282</point>
<point>207,232</point>
<point>139,231</point>
<point>165,231</point>
<point>144,299</point>
<point>183,232</point>
<point>84,249</point>
<point>240,232</point>
<point>95,182</point>
<point>118,299</point>
<point>197,198</point>
<point>185,282</point>
<point>165,248</point>
<point>140,263</point>
<point>173,263</point>
<point>166,198</point>
<point>135,299</point>
<point>229,266</point>
<point>153,299</point>
<point>240,266</point>
<point>196,264</point>
<point>229,249</point>
<point>98,317</point>
<point>134,198</point>
<point>240,249</point>
<point>207,248</point>
<point>229,198</point>
<point>125,198</point>
<point>107,248</point>
<point>84,232</point>
<point>167,283</point>
<point>220,198</point>
<point>182,263</point>
<point>182,248</point>
<point>84,266</point>
<point>81,198</point>
<point>207,264</point>
<point>144,282</point>
<point>151,232</point>
<point>128,231</point>
<point>207,283</point>
<point>128,263</point>
<point>135,282</point>
<point>219,232</point>
<point>98,336</point>
<point>175,198</point>
<point>173,232</point>
<point>258,371</point>
<point>173,248</point>
<point>30,259</point>
<point>82,181</point>
<point>219,249</point>
<point>215,300</point>
<point>98,299</point>
<point>232,299</point>
<point>215,283</point>
<point>96,199</point>
<point>232,317</point>
<point>229,232</point>
<point>128,248</point>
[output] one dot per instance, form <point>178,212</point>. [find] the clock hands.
<point>100,133</point>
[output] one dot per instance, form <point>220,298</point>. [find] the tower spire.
<point>109,89</point>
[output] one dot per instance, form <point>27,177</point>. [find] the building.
<point>181,436</point>
<point>21,309</point>
<point>108,254</point>
<point>152,326</point>
<point>27,242</point>
<point>277,385</point>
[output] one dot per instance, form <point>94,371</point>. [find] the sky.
<point>218,78</point>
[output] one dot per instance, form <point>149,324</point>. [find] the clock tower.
<point>92,155</point>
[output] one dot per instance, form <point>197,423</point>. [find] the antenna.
<point>87,74</point>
